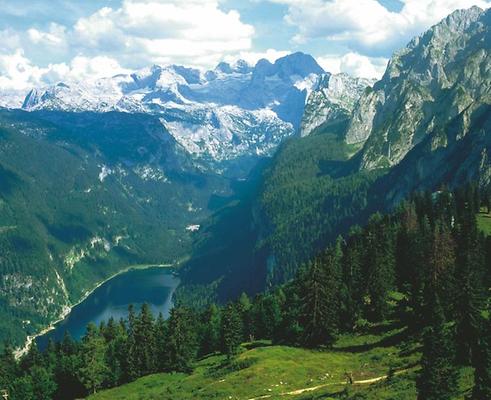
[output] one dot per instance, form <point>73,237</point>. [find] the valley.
<point>254,230</point>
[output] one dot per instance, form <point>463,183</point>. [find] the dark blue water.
<point>154,286</point>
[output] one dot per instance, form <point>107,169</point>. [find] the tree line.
<point>428,254</point>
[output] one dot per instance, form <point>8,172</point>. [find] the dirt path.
<point>313,388</point>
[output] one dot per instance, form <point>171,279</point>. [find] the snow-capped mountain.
<point>232,111</point>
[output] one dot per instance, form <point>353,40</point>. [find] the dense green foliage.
<point>79,203</point>
<point>310,194</point>
<point>397,267</point>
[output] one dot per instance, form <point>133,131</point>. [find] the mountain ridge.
<point>233,111</point>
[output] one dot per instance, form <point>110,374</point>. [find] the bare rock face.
<point>441,75</point>
<point>333,99</point>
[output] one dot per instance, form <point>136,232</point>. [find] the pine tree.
<point>144,342</point>
<point>438,377</point>
<point>320,316</point>
<point>8,367</point>
<point>32,358</point>
<point>231,330</point>
<point>93,351</point>
<point>380,266</point>
<point>442,264</point>
<point>43,384</point>
<point>468,296</point>
<point>266,316</point>
<point>244,308</point>
<point>482,364</point>
<point>116,340</point>
<point>420,274</point>
<point>353,289</point>
<point>130,367</point>
<point>210,338</point>
<point>181,341</point>
<point>160,338</point>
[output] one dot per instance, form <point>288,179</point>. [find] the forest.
<point>427,265</point>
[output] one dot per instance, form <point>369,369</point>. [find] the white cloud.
<point>142,32</point>
<point>366,26</point>
<point>138,33</point>
<point>354,64</point>
<point>17,72</point>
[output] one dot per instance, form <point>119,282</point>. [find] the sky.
<point>46,41</point>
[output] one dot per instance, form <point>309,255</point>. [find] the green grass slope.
<point>266,371</point>
<point>484,222</point>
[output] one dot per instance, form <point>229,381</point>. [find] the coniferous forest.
<point>426,265</point>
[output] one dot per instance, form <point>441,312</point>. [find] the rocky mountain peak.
<point>441,75</point>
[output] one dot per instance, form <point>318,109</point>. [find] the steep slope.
<point>424,125</point>
<point>79,203</point>
<point>441,75</point>
<point>332,102</point>
<point>231,112</point>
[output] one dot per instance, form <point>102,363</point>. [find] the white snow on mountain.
<point>232,111</point>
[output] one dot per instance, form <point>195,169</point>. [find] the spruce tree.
<point>8,368</point>
<point>160,338</point>
<point>438,376</point>
<point>43,383</point>
<point>380,266</point>
<point>144,342</point>
<point>482,363</point>
<point>210,338</point>
<point>320,311</point>
<point>468,296</point>
<point>94,370</point>
<point>181,341</point>
<point>231,330</point>
<point>442,264</point>
<point>130,367</point>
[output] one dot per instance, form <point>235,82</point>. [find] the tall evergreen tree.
<point>469,274</point>
<point>442,264</point>
<point>43,383</point>
<point>94,370</point>
<point>8,368</point>
<point>380,266</point>
<point>181,341</point>
<point>320,316</point>
<point>144,342</point>
<point>231,330</point>
<point>438,377</point>
<point>482,364</point>
<point>210,338</point>
<point>160,343</point>
<point>130,367</point>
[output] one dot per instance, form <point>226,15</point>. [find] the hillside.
<point>425,125</point>
<point>266,371</point>
<point>278,372</point>
<point>397,307</point>
<point>79,203</point>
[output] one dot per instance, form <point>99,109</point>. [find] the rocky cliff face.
<point>333,100</point>
<point>441,75</point>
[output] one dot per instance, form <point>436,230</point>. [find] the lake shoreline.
<point>21,351</point>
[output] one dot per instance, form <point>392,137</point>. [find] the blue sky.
<point>44,41</point>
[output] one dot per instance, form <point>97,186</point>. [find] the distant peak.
<point>299,63</point>
<point>240,66</point>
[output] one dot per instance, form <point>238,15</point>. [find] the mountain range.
<point>230,112</point>
<point>425,125</point>
<point>102,174</point>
